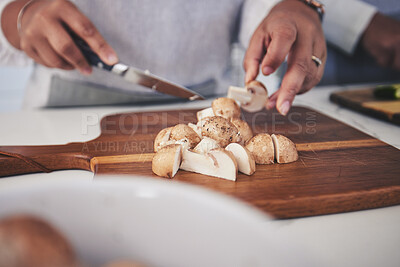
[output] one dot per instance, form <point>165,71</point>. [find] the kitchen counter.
<point>363,238</point>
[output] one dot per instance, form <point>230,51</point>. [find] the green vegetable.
<point>388,91</point>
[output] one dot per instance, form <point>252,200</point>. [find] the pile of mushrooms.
<point>220,144</point>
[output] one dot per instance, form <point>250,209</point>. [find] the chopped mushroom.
<point>245,160</point>
<point>285,149</point>
<point>162,138</point>
<point>221,130</point>
<point>244,129</point>
<point>205,145</point>
<point>225,107</point>
<point>252,98</point>
<point>183,133</point>
<point>167,160</point>
<point>205,113</point>
<point>262,148</point>
<point>196,128</point>
<point>218,163</point>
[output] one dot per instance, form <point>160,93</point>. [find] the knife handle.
<point>88,53</point>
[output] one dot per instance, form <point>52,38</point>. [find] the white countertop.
<point>364,238</point>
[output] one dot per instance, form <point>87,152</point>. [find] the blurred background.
<point>12,80</point>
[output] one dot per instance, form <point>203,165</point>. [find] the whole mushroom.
<point>221,130</point>
<point>225,107</point>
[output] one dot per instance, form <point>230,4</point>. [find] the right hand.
<point>44,37</point>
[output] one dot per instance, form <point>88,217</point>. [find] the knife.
<point>134,75</point>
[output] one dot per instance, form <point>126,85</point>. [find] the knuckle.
<point>292,89</point>
<point>87,29</point>
<point>68,49</point>
<point>286,32</point>
<point>56,63</point>
<point>302,65</point>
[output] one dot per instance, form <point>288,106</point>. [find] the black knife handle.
<point>88,53</point>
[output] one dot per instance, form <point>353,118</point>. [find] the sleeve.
<point>9,55</point>
<point>253,12</point>
<point>345,21</point>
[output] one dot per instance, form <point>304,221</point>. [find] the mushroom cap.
<point>244,129</point>
<point>225,107</point>
<point>259,97</point>
<point>262,148</point>
<point>167,160</point>
<point>285,149</point>
<point>162,138</point>
<point>205,145</point>
<point>30,241</point>
<point>221,130</point>
<point>182,132</point>
<point>245,160</point>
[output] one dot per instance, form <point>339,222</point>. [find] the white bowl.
<point>159,223</point>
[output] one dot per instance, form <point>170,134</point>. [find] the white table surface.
<point>363,238</point>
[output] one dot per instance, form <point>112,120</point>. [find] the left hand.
<point>381,40</point>
<point>291,29</point>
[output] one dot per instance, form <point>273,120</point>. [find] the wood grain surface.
<point>364,101</point>
<point>340,169</point>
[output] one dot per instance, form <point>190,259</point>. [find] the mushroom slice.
<point>204,113</point>
<point>259,97</point>
<point>221,130</point>
<point>205,145</point>
<point>218,163</point>
<point>196,128</point>
<point>225,107</point>
<point>244,129</point>
<point>285,149</point>
<point>262,148</point>
<point>167,160</point>
<point>252,98</point>
<point>245,161</point>
<point>162,138</point>
<point>182,132</point>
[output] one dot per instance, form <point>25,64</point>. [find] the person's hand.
<point>381,40</point>
<point>291,29</point>
<point>44,37</point>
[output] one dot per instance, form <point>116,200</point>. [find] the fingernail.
<point>86,71</point>
<point>112,58</point>
<point>267,70</point>
<point>271,104</point>
<point>284,108</point>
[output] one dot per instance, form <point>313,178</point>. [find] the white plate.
<point>156,222</point>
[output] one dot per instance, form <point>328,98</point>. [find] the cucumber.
<point>388,91</point>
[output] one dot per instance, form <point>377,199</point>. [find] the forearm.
<point>345,21</point>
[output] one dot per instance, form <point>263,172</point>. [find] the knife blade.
<point>134,75</point>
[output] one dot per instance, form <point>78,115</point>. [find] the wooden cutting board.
<point>364,101</point>
<point>340,169</point>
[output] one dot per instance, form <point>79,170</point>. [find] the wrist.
<point>26,12</point>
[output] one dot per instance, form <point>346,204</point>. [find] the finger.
<point>299,67</point>
<point>272,101</point>
<point>31,52</point>
<point>282,39</point>
<point>254,55</point>
<point>65,47</point>
<point>82,26</point>
<point>396,60</point>
<point>319,50</point>
<point>50,56</point>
